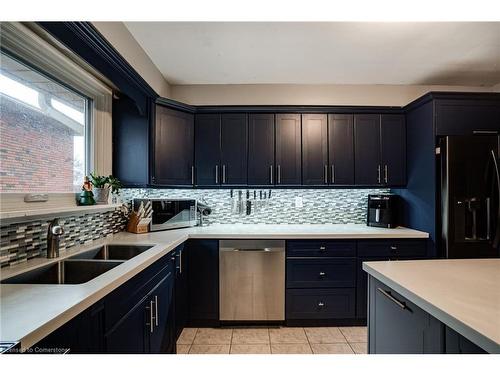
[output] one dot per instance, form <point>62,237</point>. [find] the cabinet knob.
<point>322,274</point>
<point>394,247</point>
<point>322,248</point>
<point>321,304</point>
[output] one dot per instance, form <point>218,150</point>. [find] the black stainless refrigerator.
<point>470,196</point>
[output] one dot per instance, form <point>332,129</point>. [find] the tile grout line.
<point>308,342</point>
<point>347,341</point>
<point>269,337</point>
<point>192,343</point>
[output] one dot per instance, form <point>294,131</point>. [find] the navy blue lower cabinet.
<point>82,334</point>
<point>140,313</point>
<point>162,323</point>
<point>457,344</point>
<point>321,273</point>
<point>397,326</point>
<point>362,287</point>
<point>181,290</point>
<point>129,334</point>
<point>319,304</point>
<point>203,283</point>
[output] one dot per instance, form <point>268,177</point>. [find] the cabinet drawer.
<point>122,300</point>
<point>335,303</point>
<point>320,248</point>
<point>321,273</point>
<point>393,249</point>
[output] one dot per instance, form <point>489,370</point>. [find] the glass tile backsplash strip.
<point>286,206</point>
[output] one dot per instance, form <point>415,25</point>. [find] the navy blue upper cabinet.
<point>173,150</point>
<point>261,170</point>
<point>368,170</point>
<point>288,150</point>
<point>207,140</point>
<point>380,150</point>
<point>130,143</point>
<point>467,116</point>
<point>234,149</point>
<point>341,149</point>
<point>393,150</point>
<point>314,149</point>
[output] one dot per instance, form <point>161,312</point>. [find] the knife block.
<point>133,225</point>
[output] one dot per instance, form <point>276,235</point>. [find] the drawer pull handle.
<point>322,248</point>
<point>321,304</point>
<point>391,298</point>
<point>322,274</point>
<point>394,247</point>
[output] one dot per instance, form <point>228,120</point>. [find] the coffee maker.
<point>382,210</point>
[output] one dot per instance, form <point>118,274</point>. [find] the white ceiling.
<point>323,53</point>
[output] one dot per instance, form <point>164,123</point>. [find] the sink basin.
<point>114,252</point>
<point>64,272</point>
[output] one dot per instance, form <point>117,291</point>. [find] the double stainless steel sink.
<point>80,268</point>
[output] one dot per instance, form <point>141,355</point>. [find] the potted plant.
<point>115,186</point>
<point>100,188</point>
<point>102,185</point>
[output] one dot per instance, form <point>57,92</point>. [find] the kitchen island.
<point>434,306</point>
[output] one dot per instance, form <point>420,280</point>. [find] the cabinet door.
<point>131,146</point>
<point>397,326</point>
<point>234,136</point>
<point>174,143</point>
<point>203,276</point>
<point>314,149</point>
<point>341,149</point>
<point>288,149</point>
<point>393,149</point>
<point>129,335</point>
<point>367,150</point>
<point>181,290</point>
<point>162,337</point>
<point>82,334</point>
<point>261,149</point>
<point>207,149</point>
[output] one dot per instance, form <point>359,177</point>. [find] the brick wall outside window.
<point>36,151</point>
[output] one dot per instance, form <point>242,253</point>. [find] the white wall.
<point>383,95</point>
<point>119,36</point>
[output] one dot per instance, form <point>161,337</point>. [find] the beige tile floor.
<point>282,340</point>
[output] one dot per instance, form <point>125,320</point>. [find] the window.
<point>44,128</point>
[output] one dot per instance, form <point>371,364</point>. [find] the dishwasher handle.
<point>257,250</point>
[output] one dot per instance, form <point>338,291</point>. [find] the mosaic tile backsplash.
<point>319,206</point>
<point>23,241</point>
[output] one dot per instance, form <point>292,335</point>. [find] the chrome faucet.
<point>54,235</point>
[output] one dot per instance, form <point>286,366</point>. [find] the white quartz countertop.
<point>302,231</point>
<point>30,312</point>
<point>464,294</point>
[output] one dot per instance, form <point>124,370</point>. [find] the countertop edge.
<point>468,332</point>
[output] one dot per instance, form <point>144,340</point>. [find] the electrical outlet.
<point>298,202</point>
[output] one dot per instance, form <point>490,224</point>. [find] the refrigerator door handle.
<point>496,238</point>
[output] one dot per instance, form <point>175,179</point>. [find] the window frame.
<point>32,46</point>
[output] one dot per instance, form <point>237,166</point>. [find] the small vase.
<point>101,195</point>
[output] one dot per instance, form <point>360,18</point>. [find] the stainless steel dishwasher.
<point>252,280</point>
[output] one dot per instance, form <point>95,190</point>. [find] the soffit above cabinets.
<point>442,53</point>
